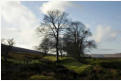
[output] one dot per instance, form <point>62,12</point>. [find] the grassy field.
<point>38,67</point>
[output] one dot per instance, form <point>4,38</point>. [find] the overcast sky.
<point>20,19</point>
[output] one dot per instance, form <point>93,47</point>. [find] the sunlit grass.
<point>53,58</point>
<point>41,77</point>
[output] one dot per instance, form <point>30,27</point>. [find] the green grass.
<point>41,77</point>
<point>70,63</point>
<point>50,58</point>
<point>46,68</point>
<point>53,58</point>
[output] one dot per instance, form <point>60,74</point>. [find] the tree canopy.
<point>68,36</point>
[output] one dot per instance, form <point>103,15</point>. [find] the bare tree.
<point>9,44</point>
<point>75,40</point>
<point>6,48</point>
<point>45,45</point>
<point>54,22</point>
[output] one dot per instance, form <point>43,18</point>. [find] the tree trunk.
<point>57,43</point>
<point>61,53</point>
<point>45,52</point>
<point>57,53</point>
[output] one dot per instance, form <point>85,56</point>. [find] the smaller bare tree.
<point>45,45</point>
<point>9,44</point>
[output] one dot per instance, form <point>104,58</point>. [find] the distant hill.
<point>118,55</point>
<point>18,50</point>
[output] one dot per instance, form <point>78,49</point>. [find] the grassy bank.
<point>39,67</point>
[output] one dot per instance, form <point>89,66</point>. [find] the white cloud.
<point>55,4</point>
<point>99,34</point>
<point>19,22</point>
<point>104,33</point>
